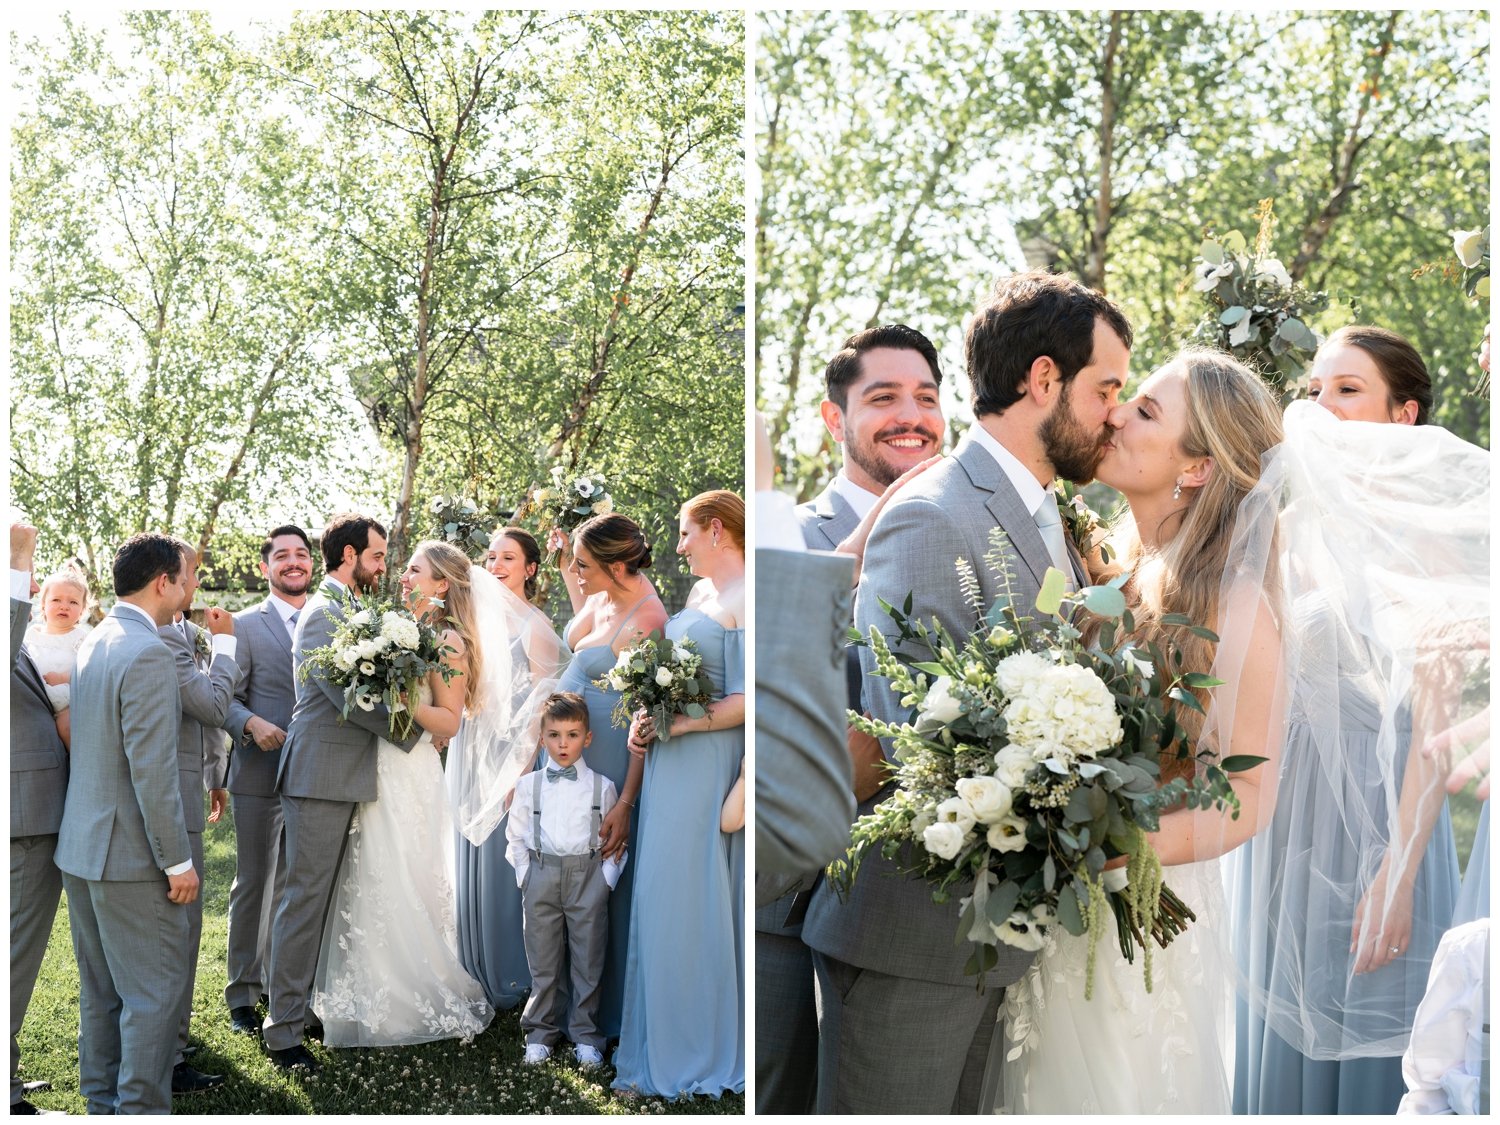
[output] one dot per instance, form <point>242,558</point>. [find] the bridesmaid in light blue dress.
<point>614,606</point>
<point>489,902</point>
<point>684,992</point>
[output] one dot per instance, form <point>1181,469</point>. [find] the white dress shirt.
<point>776,522</point>
<point>1447,1058</point>
<point>287,612</point>
<point>20,585</point>
<point>567,820</point>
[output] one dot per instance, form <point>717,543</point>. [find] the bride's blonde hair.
<point>452,566</point>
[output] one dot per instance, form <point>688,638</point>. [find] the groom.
<point>327,767</point>
<point>902,1029</point>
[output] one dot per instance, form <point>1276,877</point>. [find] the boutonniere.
<point>1088,530</point>
<point>202,645</point>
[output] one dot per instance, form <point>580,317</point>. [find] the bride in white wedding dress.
<point>1185,452</point>
<point>388,969</point>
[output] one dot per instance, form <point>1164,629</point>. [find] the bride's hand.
<point>855,543</point>
<point>1382,922</point>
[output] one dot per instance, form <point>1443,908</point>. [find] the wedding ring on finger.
<point>1395,950</point>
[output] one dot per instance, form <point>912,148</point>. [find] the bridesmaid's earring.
<point>716,541</point>
<point>1177,492</point>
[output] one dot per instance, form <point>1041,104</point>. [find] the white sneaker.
<point>587,1056</point>
<point>537,1053</point>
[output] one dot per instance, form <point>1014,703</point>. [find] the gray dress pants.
<point>566,908</point>
<point>35,888</point>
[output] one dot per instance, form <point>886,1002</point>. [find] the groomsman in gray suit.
<point>902,1029</point>
<point>259,716</point>
<point>881,406</point>
<point>327,767</point>
<point>38,783</point>
<point>206,673</point>
<point>123,844</point>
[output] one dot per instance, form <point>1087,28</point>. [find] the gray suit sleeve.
<point>205,695</point>
<point>315,634</point>
<point>804,800</point>
<point>150,711</point>
<point>20,614</point>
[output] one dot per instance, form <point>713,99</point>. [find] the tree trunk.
<point>1097,264</point>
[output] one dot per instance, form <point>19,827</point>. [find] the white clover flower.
<point>1271,269</point>
<point>1466,244</point>
<point>988,798</point>
<point>584,487</point>
<point>944,839</point>
<point>664,677</point>
<point>941,707</point>
<point>1008,834</point>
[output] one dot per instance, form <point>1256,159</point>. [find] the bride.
<point>1184,452</point>
<point>388,969</point>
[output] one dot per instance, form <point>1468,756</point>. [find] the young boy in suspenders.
<point>552,840</point>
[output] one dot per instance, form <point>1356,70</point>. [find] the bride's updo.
<point>451,565</point>
<point>614,539</point>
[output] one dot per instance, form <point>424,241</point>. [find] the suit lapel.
<point>1005,506</point>
<point>271,617</point>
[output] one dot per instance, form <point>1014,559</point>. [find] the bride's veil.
<point>523,658</point>
<point>1377,537</point>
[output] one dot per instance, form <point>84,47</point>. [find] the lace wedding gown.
<point>1124,1050</point>
<point>388,969</point>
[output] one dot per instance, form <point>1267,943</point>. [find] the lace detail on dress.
<point>388,972</point>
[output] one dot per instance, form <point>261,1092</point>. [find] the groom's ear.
<point>1041,380</point>
<point>833,418</point>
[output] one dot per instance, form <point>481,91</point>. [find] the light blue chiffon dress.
<point>1282,878</point>
<point>684,988</point>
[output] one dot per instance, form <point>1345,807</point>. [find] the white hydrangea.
<point>1016,672</point>
<point>402,630</point>
<point>1065,713</point>
<point>360,618</point>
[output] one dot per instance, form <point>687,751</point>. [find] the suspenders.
<point>596,816</point>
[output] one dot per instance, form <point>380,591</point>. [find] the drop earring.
<point>1177,492</point>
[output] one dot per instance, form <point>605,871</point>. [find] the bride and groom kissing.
<point>902,1028</point>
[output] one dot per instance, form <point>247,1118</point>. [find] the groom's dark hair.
<point>347,530</point>
<point>1026,316</point>
<point>845,368</point>
<point>142,559</point>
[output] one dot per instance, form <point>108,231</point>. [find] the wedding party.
<point>1143,766</point>
<point>378,553</point>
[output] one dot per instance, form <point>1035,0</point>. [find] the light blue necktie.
<point>1049,523</point>
<point>568,772</point>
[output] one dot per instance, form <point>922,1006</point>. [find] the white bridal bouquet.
<point>380,653</point>
<point>1030,761</point>
<point>663,677</point>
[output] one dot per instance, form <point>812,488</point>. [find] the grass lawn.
<point>485,1076</point>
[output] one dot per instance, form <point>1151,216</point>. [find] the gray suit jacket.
<point>123,820</point>
<point>202,757</point>
<point>38,758</point>
<point>804,800</point>
<point>326,756</point>
<point>889,922</point>
<point>265,690</point>
<point>826,520</point>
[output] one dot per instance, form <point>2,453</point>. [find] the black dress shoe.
<point>244,1021</point>
<point>23,1106</point>
<point>294,1058</point>
<point>189,1051</point>
<point>186,1080</point>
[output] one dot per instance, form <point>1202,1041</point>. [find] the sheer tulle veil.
<point>523,658</point>
<point>1376,538</point>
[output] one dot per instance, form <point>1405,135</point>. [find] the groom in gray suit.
<point>881,406</point>
<point>902,1029</point>
<point>123,844</point>
<point>327,767</point>
<point>258,718</point>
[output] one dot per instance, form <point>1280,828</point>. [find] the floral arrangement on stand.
<point>1257,312</point>
<point>663,678</point>
<point>1033,760</point>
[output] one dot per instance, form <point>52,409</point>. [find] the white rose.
<point>1012,764</point>
<point>1466,245</point>
<point>988,799</point>
<point>941,706</point>
<point>1008,834</point>
<point>603,507</point>
<point>366,649</point>
<point>944,839</point>
<point>664,677</point>
<point>955,810</point>
<point>680,654</point>
<point>584,487</point>
<point>345,658</point>
<point>360,618</point>
<point>1271,269</point>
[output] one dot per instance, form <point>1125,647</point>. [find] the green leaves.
<point>1049,598</point>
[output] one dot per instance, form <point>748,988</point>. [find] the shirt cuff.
<point>20,585</point>
<point>776,522</point>
<point>224,644</point>
<point>181,868</point>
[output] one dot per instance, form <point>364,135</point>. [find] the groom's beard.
<point>1074,452</point>
<point>364,580</point>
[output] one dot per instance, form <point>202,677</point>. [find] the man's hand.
<point>614,830</point>
<point>868,760</point>
<point>55,678</point>
<point>183,889</point>
<point>220,622</point>
<point>267,735</point>
<point>22,546</point>
<point>218,801</point>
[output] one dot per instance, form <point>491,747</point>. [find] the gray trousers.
<point>259,880</point>
<point>131,946</point>
<point>566,908</point>
<point>892,1045</point>
<point>317,832</point>
<point>786,1025</point>
<point>195,938</point>
<point>35,887</point>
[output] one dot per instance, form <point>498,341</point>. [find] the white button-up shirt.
<point>567,819</point>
